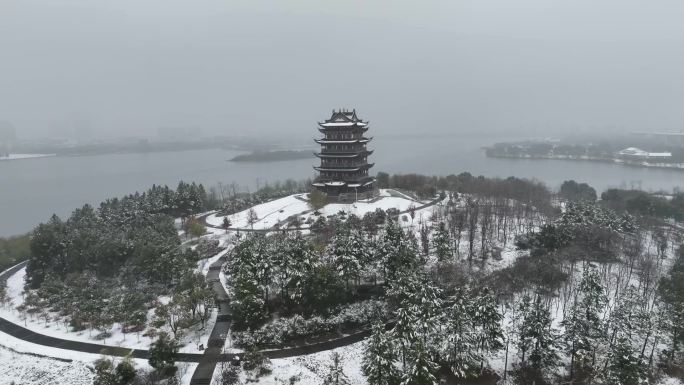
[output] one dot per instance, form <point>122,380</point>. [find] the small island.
<point>273,156</point>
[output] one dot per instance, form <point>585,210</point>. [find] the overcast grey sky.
<point>126,67</point>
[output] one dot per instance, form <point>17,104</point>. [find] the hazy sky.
<point>126,67</point>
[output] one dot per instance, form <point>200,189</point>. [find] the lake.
<point>32,189</point>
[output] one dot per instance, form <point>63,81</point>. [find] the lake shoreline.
<point>616,161</point>
<point>12,157</point>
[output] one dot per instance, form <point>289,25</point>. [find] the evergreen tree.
<point>163,352</point>
<point>396,251</point>
<point>347,255</point>
<point>420,369</point>
<point>583,326</point>
<point>442,243</point>
<point>419,308</point>
<point>335,374</point>
<point>624,367</point>
<point>226,224</point>
<point>427,305</point>
<point>379,358</point>
<point>125,372</point>
<point>461,341</point>
<point>671,291</point>
<point>487,325</point>
<point>536,340</point>
<point>300,262</point>
<point>404,332</point>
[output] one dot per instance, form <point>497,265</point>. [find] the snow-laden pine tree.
<point>584,329</point>
<point>460,342</point>
<point>536,339</point>
<point>379,358</point>
<point>671,291</point>
<point>404,333</point>
<point>347,253</point>
<point>416,295</point>
<point>427,302</point>
<point>420,368</point>
<point>487,325</point>
<point>335,374</point>
<point>631,318</point>
<point>624,366</point>
<point>397,251</point>
<point>442,242</point>
<point>295,260</point>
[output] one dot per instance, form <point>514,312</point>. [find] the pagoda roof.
<point>345,169</point>
<point>350,141</point>
<point>344,116</point>
<point>327,124</point>
<point>343,154</point>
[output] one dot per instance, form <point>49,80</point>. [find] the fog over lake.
<point>33,189</point>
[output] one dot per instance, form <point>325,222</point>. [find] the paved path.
<point>205,370</point>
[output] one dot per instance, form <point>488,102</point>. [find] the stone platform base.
<point>352,197</point>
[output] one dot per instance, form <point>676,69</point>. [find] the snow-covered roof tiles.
<point>343,124</point>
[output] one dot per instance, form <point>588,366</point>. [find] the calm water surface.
<point>31,190</point>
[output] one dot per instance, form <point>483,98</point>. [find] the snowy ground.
<point>279,210</point>
<point>268,213</point>
<point>311,369</point>
<point>18,368</point>
<point>19,364</point>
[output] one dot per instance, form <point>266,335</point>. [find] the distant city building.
<point>343,172</point>
<point>633,153</point>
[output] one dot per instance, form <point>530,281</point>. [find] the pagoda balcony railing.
<point>345,129</point>
<point>345,165</point>
<point>357,179</point>
<point>346,142</point>
<point>342,149</point>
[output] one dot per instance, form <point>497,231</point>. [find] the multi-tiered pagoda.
<point>344,158</point>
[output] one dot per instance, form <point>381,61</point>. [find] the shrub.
<point>284,330</point>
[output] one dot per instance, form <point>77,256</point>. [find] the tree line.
<point>108,265</point>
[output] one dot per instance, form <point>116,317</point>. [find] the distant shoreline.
<point>623,162</point>
<point>25,156</point>
<point>273,156</point>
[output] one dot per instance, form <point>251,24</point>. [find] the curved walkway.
<point>205,370</point>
